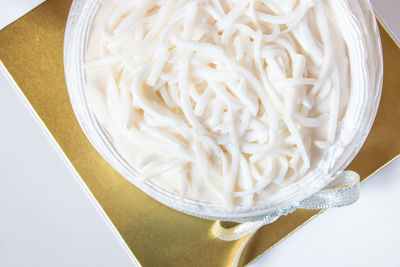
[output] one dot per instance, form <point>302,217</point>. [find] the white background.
<point>388,12</point>
<point>48,217</point>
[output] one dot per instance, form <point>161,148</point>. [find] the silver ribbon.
<point>343,191</point>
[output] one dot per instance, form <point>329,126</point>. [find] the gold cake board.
<point>32,50</point>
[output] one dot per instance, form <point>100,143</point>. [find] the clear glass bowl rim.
<point>77,32</point>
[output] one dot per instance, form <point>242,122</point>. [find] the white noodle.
<point>228,87</point>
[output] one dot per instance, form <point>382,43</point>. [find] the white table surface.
<point>49,218</point>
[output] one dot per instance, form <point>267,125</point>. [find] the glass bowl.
<point>353,132</point>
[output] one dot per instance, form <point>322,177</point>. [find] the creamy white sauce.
<point>224,101</point>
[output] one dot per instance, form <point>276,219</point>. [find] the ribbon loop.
<point>343,191</point>
<point>237,232</point>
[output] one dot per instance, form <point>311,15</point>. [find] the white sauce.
<point>221,100</point>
